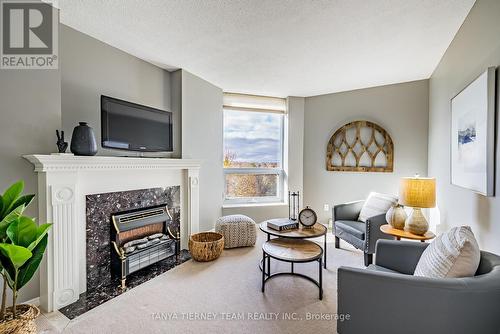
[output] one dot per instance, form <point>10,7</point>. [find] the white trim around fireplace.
<point>63,183</point>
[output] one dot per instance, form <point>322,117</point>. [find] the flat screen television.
<point>134,127</point>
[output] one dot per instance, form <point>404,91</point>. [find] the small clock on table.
<point>307,217</point>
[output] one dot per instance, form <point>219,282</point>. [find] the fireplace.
<point>78,195</point>
<point>142,238</point>
<point>117,218</point>
<point>131,237</point>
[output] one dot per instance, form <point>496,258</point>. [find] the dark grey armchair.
<point>364,236</point>
<point>387,298</point>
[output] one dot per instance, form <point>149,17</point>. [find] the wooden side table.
<point>388,229</point>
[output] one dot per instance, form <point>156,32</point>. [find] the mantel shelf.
<point>55,163</point>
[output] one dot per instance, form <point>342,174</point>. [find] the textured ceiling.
<point>279,47</point>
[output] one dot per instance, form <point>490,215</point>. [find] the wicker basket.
<point>206,246</point>
<point>24,323</point>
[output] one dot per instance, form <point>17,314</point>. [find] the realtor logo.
<point>29,35</point>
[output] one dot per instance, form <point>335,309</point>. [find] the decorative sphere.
<point>396,217</point>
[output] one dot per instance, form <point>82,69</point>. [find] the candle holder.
<point>293,205</point>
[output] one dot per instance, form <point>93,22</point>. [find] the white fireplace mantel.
<point>68,162</point>
<point>63,183</point>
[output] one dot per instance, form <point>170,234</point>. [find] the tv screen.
<point>134,127</point>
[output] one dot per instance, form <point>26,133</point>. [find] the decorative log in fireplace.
<point>141,238</point>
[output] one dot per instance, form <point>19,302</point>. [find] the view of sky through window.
<point>252,138</point>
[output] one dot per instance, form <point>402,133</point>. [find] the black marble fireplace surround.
<point>101,285</point>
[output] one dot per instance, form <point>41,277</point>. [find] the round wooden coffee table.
<point>317,230</point>
<point>292,251</point>
<point>398,234</point>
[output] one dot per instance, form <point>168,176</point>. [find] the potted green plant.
<point>22,245</point>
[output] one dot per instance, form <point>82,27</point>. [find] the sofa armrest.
<point>347,211</point>
<point>381,302</point>
<point>373,232</point>
<point>401,256</point>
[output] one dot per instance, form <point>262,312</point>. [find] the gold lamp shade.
<point>418,192</point>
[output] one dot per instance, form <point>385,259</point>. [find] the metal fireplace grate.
<point>139,225</point>
<point>150,255</point>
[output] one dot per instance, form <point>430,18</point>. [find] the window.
<point>253,148</point>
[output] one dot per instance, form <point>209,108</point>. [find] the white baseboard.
<point>34,301</point>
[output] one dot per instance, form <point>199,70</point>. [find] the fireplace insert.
<point>140,239</point>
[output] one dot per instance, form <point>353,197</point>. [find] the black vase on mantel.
<point>83,140</point>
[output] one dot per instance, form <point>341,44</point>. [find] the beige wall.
<point>401,109</point>
<point>91,68</point>
<point>202,139</point>
<point>30,113</point>
<point>475,47</point>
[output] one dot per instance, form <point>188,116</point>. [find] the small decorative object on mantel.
<point>307,217</point>
<point>293,204</point>
<point>417,192</point>
<point>83,140</point>
<point>473,135</point>
<point>360,146</point>
<point>62,145</point>
<point>396,216</point>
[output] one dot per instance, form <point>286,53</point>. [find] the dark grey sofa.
<point>387,298</point>
<point>361,235</point>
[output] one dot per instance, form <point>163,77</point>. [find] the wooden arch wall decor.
<point>360,146</point>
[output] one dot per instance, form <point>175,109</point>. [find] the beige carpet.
<point>226,292</point>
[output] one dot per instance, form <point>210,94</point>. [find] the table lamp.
<point>417,192</point>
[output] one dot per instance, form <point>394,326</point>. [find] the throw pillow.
<point>376,204</point>
<point>452,254</point>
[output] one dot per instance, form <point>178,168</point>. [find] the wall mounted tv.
<point>134,127</point>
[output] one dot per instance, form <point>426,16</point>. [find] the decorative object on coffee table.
<point>62,146</point>
<point>360,146</point>
<point>293,204</point>
<point>206,246</point>
<point>473,135</point>
<point>238,230</point>
<point>282,224</point>
<point>83,140</point>
<point>307,217</point>
<point>417,192</point>
<point>396,216</point>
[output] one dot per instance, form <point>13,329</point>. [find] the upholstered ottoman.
<point>238,230</point>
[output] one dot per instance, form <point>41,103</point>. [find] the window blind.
<point>246,102</point>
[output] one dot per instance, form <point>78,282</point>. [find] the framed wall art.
<point>473,135</point>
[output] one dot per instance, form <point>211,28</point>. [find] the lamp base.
<point>416,222</point>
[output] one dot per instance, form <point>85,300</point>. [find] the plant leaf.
<point>1,204</point>
<point>41,231</point>
<point>23,200</point>
<point>11,217</point>
<point>17,255</point>
<point>8,268</point>
<point>10,196</point>
<point>27,271</point>
<point>22,231</point>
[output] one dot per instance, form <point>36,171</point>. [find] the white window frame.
<point>281,172</point>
